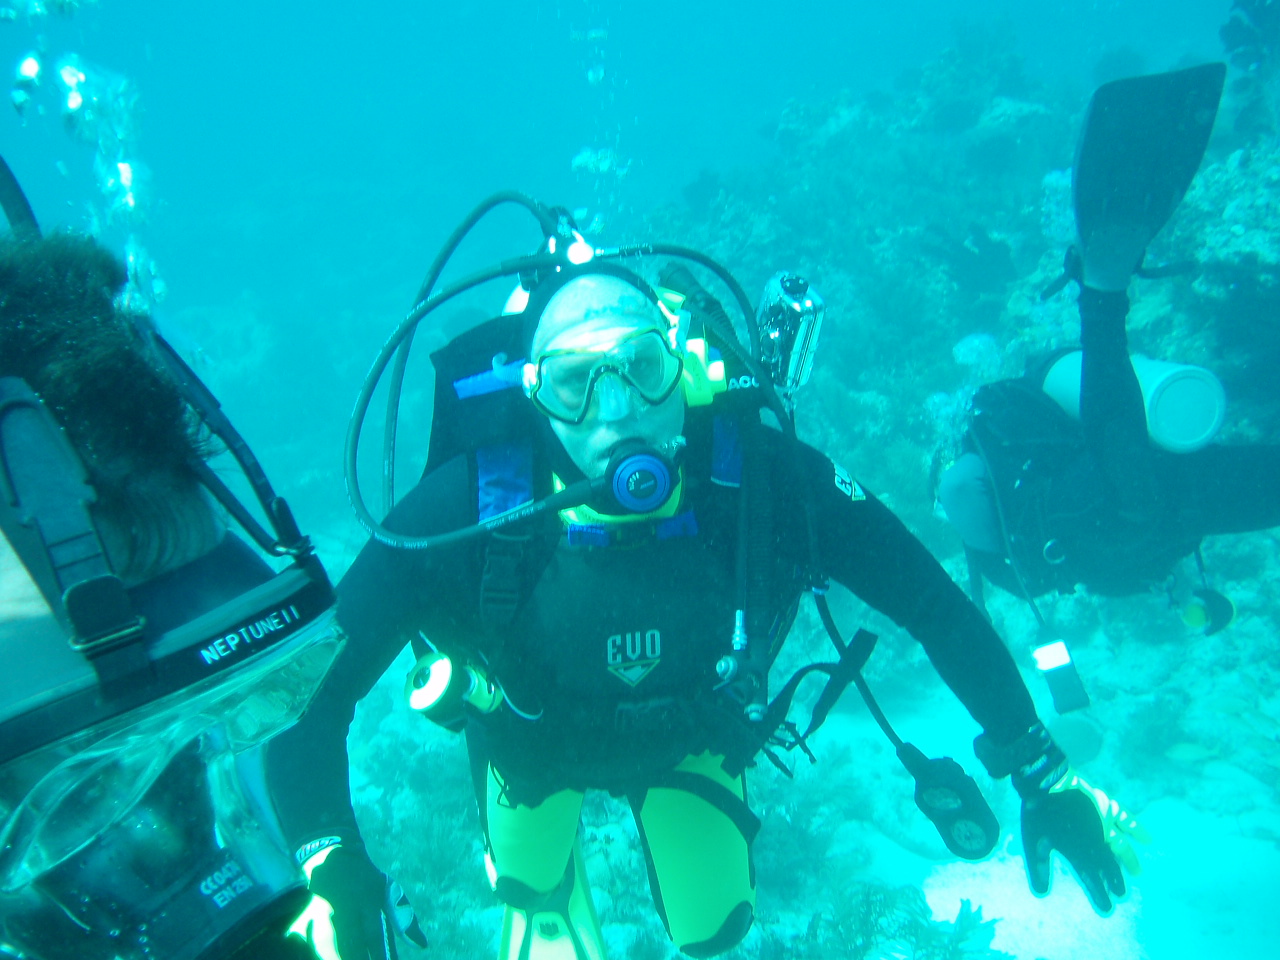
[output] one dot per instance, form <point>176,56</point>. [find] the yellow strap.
<point>702,380</point>
<point>1119,826</point>
<point>584,514</point>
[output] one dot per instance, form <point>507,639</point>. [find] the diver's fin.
<point>22,219</point>
<point>1143,140</point>
<point>400,915</point>
<point>563,926</point>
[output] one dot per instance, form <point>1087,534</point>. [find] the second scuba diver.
<point>1095,469</point>
<point>597,570</point>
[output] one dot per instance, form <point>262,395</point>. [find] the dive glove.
<point>1061,811</point>
<point>350,915</point>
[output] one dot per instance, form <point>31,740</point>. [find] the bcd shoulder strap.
<point>45,496</point>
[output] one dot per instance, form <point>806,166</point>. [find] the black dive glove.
<point>350,914</point>
<point>1060,811</point>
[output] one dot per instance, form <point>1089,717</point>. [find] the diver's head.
<point>63,331</point>
<point>604,369</point>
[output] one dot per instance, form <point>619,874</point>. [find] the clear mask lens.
<point>69,793</point>
<point>613,398</point>
<point>644,362</point>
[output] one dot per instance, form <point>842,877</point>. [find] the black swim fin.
<point>1143,140</point>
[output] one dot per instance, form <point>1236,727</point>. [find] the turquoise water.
<point>295,168</point>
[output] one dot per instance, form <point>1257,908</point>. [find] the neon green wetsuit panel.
<point>700,863</point>
<point>700,859</point>
<point>531,845</point>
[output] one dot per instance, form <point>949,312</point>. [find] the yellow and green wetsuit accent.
<point>697,848</point>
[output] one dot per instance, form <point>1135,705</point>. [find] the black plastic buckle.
<point>107,632</point>
<point>102,615</point>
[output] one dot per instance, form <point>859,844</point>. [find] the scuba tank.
<point>1185,405</point>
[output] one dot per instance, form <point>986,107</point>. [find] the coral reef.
<point>1251,38</point>
<point>915,213</point>
<point>870,920</point>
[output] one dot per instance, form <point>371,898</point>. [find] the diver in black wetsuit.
<point>1045,503</point>
<point>589,647</point>
<point>1112,512</point>
<point>148,652</point>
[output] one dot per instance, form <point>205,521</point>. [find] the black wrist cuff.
<point>348,840</point>
<point>1033,761</point>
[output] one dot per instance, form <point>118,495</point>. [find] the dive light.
<point>439,688</point>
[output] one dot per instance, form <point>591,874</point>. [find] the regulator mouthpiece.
<point>640,479</point>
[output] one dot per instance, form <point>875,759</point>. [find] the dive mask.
<point>562,382</point>
<point>151,834</point>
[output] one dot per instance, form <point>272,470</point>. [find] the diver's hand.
<point>1089,829</point>
<point>345,919</point>
<point>1060,811</point>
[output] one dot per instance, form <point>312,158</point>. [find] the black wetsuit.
<point>1110,509</point>
<point>613,643</point>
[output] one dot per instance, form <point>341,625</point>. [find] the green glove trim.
<point>315,927</point>
<point>1119,827</point>
<point>1091,832</point>
<point>346,916</point>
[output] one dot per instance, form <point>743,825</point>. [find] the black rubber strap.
<point>22,219</point>
<point>502,582</point>
<point>977,589</point>
<point>45,496</point>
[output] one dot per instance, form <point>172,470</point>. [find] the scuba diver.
<point>148,651</point>
<point>1096,467</point>
<point>605,552</point>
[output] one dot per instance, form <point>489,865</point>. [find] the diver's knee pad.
<point>559,925</point>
